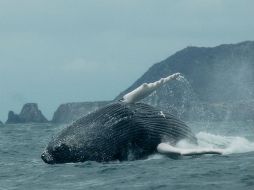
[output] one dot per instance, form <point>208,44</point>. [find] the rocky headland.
<point>69,112</point>
<point>30,113</point>
<point>218,84</point>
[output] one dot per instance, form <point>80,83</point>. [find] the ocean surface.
<point>22,168</point>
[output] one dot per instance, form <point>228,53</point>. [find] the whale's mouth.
<point>47,158</point>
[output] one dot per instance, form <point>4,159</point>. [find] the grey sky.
<point>56,51</point>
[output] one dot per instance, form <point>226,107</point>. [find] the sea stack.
<point>29,114</point>
<point>13,118</point>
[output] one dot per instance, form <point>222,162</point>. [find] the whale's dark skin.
<point>118,131</point>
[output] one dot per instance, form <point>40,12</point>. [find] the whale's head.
<point>67,146</point>
<point>65,152</point>
<point>60,153</point>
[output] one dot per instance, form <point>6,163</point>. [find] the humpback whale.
<point>122,130</point>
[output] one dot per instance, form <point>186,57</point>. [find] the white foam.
<point>147,88</point>
<point>155,157</point>
<point>227,144</point>
<point>167,149</point>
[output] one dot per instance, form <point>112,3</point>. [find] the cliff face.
<point>219,83</point>
<point>29,114</point>
<point>69,112</point>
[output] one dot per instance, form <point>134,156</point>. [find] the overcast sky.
<point>57,51</point>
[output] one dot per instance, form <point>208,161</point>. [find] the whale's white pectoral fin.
<point>169,150</point>
<point>145,89</point>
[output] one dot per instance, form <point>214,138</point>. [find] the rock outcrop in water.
<point>13,118</point>
<point>1,123</point>
<point>29,114</point>
<point>218,85</point>
<point>69,112</point>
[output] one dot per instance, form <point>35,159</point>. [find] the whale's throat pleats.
<point>159,127</point>
<point>121,129</point>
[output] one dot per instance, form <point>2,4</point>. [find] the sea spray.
<point>227,144</point>
<point>146,89</point>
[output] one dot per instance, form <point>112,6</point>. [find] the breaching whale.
<point>122,130</point>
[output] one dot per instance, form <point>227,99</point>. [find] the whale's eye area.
<point>61,153</point>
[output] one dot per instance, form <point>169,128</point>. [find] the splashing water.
<point>181,78</point>
<point>227,144</point>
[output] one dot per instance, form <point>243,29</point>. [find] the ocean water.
<point>21,166</point>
